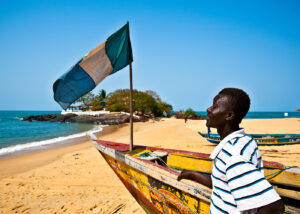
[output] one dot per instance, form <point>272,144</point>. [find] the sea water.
<point>17,135</point>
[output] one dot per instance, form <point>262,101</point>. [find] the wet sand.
<point>76,179</point>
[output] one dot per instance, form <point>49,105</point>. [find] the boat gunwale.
<point>195,154</point>
<point>125,147</point>
<point>167,175</point>
<point>190,187</point>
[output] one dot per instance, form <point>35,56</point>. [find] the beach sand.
<point>76,179</point>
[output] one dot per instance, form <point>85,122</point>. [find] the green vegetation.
<point>99,101</point>
<point>144,103</point>
<point>92,101</point>
<point>87,99</point>
<point>190,113</point>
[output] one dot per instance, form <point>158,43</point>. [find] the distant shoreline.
<point>54,142</point>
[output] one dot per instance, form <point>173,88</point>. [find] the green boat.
<point>262,139</point>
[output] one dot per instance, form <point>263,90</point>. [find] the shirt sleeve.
<point>248,184</point>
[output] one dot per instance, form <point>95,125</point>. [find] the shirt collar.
<point>238,133</point>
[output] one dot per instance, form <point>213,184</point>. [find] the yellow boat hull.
<point>156,189</point>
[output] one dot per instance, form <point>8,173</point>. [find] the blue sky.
<point>186,51</point>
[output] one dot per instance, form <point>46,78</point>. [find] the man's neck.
<point>227,130</point>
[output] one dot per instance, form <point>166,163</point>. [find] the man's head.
<point>239,100</point>
<point>230,106</point>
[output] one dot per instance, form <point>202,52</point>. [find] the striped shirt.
<point>239,184</point>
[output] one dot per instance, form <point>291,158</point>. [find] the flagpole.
<point>131,108</point>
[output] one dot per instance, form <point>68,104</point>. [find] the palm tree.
<point>99,100</point>
<point>102,94</point>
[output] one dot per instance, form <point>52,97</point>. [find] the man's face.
<point>218,112</point>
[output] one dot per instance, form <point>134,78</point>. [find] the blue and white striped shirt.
<point>239,184</point>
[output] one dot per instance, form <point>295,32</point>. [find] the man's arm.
<point>276,207</point>
<point>196,176</point>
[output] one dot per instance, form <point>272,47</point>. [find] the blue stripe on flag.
<point>72,85</point>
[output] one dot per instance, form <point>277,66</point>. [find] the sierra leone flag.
<point>109,57</point>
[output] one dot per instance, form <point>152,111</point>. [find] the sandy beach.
<point>76,179</point>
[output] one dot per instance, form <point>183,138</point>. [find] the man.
<point>237,181</point>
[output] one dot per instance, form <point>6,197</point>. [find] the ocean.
<point>17,135</point>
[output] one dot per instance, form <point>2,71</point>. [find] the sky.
<point>186,51</point>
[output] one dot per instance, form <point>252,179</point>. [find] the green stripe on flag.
<point>118,48</point>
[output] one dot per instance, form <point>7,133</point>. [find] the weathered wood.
<point>156,188</point>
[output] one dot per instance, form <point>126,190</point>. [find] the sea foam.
<point>44,144</point>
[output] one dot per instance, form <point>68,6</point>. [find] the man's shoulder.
<point>232,144</point>
<point>238,146</point>
<point>238,141</point>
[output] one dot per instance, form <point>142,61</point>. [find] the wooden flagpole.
<point>131,108</point>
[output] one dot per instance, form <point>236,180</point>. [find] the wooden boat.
<point>150,174</point>
<point>262,139</point>
<point>275,135</point>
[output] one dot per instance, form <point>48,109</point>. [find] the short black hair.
<point>240,102</point>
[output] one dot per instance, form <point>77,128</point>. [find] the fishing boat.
<point>150,175</point>
<point>262,139</point>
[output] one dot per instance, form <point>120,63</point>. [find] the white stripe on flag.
<point>97,64</point>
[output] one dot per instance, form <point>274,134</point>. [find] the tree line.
<point>144,103</point>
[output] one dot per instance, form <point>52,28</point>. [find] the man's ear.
<point>230,116</point>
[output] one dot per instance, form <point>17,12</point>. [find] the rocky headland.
<point>180,115</point>
<point>101,119</point>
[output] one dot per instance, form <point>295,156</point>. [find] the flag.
<point>109,57</point>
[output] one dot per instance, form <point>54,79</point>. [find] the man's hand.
<point>276,207</point>
<point>184,175</point>
<point>196,176</point>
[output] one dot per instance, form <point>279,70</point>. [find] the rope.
<point>279,171</point>
<point>159,158</point>
<point>165,164</point>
